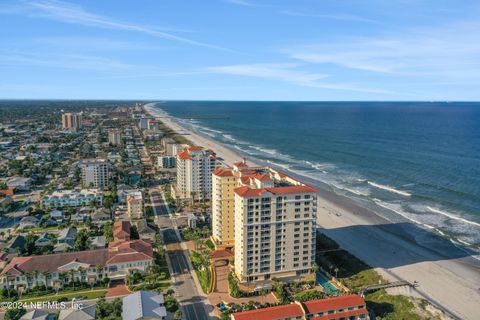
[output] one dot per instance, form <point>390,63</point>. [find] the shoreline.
<point>450,281</point>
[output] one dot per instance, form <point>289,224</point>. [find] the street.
<point>194,305</point>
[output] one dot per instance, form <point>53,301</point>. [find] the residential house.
<point>38,314</point>
<point>67,235</point>
<point>30,222</point>
<point>97,242</point>
<point>144,230</point>
<point>144,305</point>
<point>44,240</point>
<point>57,215</point>
<point>72,198</point>
<point>83,313</point>
<point>19,183</point>
<point>54,270</point>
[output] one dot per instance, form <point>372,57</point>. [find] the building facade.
<point>166,162</point>
<point>135,205</point>
<point>72,121</point>
<point>114,137</point>
<point>72,198</point>
<point>55,270</point>
<point>268,218</point>
<point>94,173</point>
<point>194,173</point>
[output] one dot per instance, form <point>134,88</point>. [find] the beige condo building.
<point>94,173</point>
<point>114,136</point>
<point>269,220</point>
<point>72,121</point>
<point>135,205</point>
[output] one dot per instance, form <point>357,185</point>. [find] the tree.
<point>108,232</point>
<point>15,313</point>
<point>109,310</point>
<point>81,240</point>
<point>134,233</point>
<point>178,315</point>
<point>29,246</point>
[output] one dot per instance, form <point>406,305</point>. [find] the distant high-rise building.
<point>143,123</point>
<point>94,173</point>
<point>166,162</point>
<point>269,220</point>
<point>72,121</point>
<point>194,172</point>
<point>114,136</point>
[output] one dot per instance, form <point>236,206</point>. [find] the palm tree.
<point>336,272</point>
<point>45,275</point>
<point>83,272</point>
<point>99,269</point>
<point>35,275</point>
<point>71,272</point>
<point>315,268</point>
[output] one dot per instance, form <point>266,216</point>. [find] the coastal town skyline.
<point>240,50</point>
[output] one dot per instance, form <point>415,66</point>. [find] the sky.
<point>240,49</point>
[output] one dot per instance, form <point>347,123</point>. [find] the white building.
<point>72,198</point>
<point>94,173</point>
<point>194,173</point>
<point>144,122</point>
<point>166,161</point>
<point>114,136</point>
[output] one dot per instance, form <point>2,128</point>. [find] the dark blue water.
<point>418,160</point>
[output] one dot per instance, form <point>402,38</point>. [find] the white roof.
<point>143,304</point>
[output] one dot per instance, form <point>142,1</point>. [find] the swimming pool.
<point>329,288</point>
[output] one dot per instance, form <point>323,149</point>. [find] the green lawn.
<point>391,307</point>
<point>204,277</point>
<point>89,294</point>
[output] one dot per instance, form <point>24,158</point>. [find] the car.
<point>185,270</point>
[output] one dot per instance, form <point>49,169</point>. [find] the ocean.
<point>407,161</point>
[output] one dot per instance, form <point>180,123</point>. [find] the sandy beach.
<point>451,281</point>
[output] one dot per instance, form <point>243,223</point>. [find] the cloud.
<point>64,61</point>
<point>74,14</point>
<point>239,2</point>
<point>448,53</point>
<point>340,16</point>
<point>287,72</point>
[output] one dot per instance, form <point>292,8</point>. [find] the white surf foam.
<point>389,188</point>
<point>397,209</point>
<point>451,216</point>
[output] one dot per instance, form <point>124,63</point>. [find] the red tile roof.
<point>308,308</point>
<point>221,172</point>
<point>261,177</point>
<point>184,155</point>
<point>334,303</point>
<point>121,230</point>
<point>121,251</point>
<point>272,313</point>
<point>246,191</point>
<point>240,164</point>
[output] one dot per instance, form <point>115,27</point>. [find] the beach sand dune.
<point>452,282</point>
